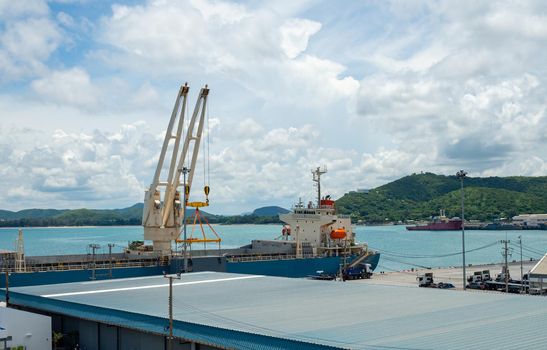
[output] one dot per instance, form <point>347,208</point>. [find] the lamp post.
<point>171,278</point>
<point>185,171</point>
<point>521,271</point>
<point>461,175</point>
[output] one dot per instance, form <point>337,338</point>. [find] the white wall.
<point>26,328</point>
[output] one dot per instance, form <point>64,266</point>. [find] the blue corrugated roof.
<point>282,313</point>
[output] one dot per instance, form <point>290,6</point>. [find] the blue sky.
<point>373,90</point>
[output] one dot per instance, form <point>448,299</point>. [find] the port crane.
<point>164,209</point>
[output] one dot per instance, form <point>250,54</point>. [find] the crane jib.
<point>163,207</point>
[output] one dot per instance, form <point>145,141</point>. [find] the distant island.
<point>415,197</point>
<point>119,217</point>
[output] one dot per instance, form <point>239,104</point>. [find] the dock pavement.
<point>452,275</point>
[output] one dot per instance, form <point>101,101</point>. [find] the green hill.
<point>82,217</point>
<point>269,211</point>
<point>29,213</point>
<point>413,197</point>
<point>419,196</point>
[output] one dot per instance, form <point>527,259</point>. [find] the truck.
<point>479,277</point>
<point>359,271</point>
<point>485,274</point>
<point>425,280</point>
<point>475,278</point>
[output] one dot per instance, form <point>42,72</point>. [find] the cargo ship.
<point>440,223</point>
<point>315,240</point>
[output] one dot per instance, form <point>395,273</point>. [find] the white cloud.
<point>24,46</point>
<point>71,87</point>
<point>65,19</point>
<point>102,169</point>
<point>472,93</point>
<point>221,12</point>
<point>295,34</point>
<point>525,23</point>
<point>146,95</point>
<point>225,42</point>
<point>374,91</point>
<point>10,9</point>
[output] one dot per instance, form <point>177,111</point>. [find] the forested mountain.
<point>420,196</point>
<point>76,217</point>
<point>269,211</point>
<point>112,217</point>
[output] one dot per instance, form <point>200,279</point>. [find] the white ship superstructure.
<point>319,226</point>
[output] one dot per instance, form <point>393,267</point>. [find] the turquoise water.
<point>401,249</point>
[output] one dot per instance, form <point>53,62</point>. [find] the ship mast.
<point>317,178</point>
<point>20,264</point>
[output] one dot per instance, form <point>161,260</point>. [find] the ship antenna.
<point>317,178</point>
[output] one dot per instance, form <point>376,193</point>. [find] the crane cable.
<point>204,154</point>
<point>208,148</point>
<point>185,125</point>
<point>406,263</point>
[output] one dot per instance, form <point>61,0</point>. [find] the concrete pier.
<point>448,275</point>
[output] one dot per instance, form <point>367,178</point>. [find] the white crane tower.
<point>163,207</point>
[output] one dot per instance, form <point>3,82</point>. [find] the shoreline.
<point>41,227</point>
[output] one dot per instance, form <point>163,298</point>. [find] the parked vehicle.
<point>425,280</point>
<point>443,285</point>
<point>357,272</point>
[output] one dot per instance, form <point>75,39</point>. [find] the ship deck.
<point>238,310</point>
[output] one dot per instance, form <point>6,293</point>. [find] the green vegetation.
<point>77,217</point>
<point>420,196</point>
<point>269,211</point>
<point>116,217</point>
<point>248,219</point>
<point>413,197</point>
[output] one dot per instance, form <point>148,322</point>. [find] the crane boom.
<point>162,217</point>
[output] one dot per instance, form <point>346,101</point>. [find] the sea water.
<point>401,249</point>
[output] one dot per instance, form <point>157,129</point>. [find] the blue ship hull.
<point>295,267</point>
<point>284,268</point>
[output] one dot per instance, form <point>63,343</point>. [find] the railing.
<point>88,265</point>
<point>267,257</point>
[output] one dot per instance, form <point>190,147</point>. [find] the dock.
<point>454,275</point>
<point>220,310</point>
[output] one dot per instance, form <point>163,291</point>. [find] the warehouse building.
<point>538,277</point>
<point>221,310</point>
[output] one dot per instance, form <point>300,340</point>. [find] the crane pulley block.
<point>197,204</point>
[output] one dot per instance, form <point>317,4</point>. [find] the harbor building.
<point>538,277</point>
<point>214,310</point>
<point>530,220</point>
<point>24,330</point>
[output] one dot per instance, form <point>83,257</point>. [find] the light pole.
<point>461,175</point>
<point>171,278</point>
<point>185,171</point>
<point>93,247</point>
<point>521,272</point>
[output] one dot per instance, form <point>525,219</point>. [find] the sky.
<point>373,90</point>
